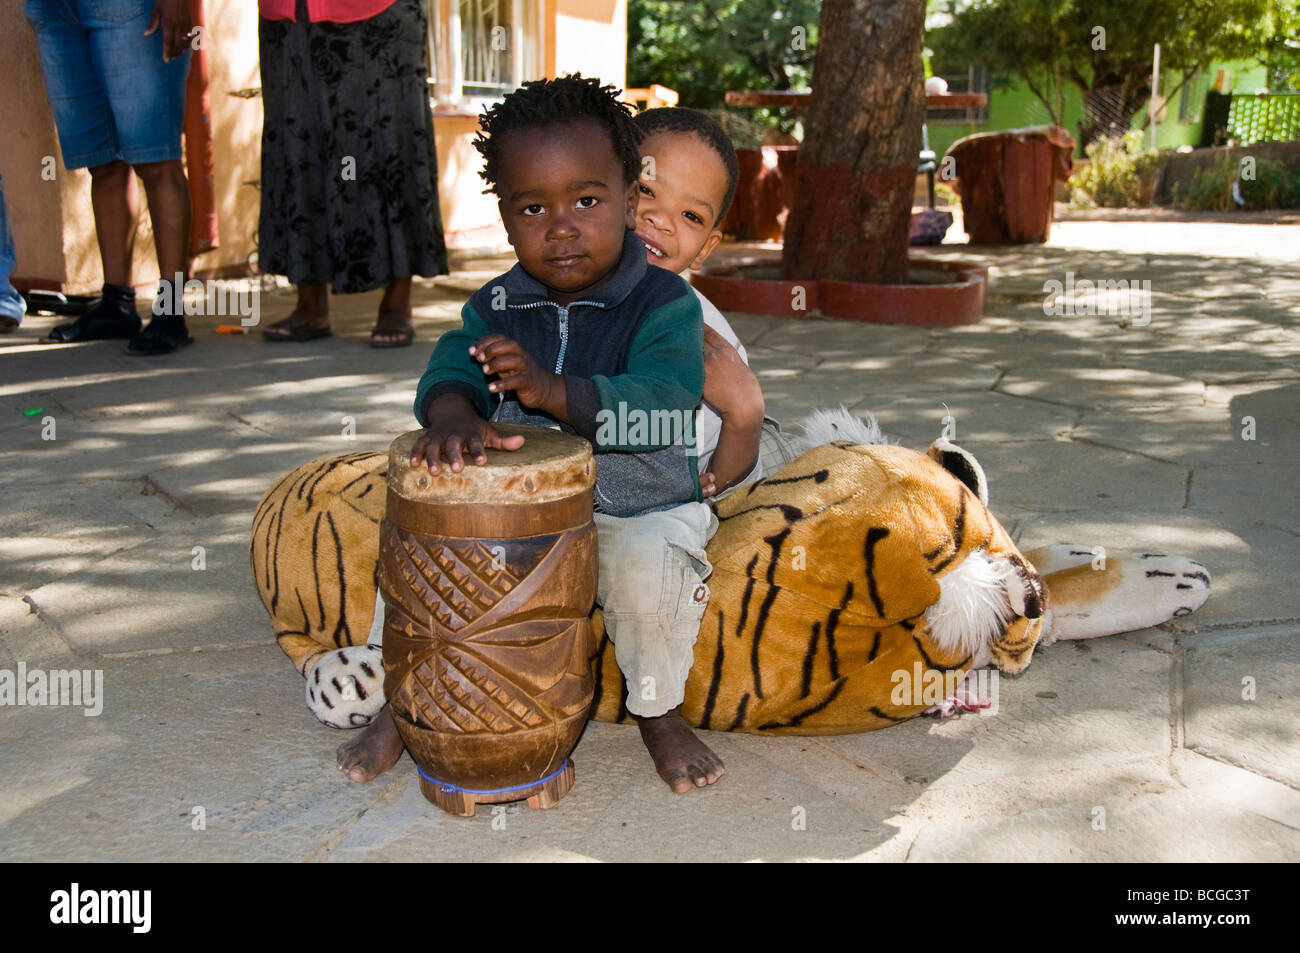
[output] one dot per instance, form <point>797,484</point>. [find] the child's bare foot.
<point>375,751</point>
<point>682,760</point>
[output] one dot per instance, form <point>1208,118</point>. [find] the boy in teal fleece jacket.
<point>583,334</point>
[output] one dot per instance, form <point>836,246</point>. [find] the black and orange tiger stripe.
<point>315,553</point>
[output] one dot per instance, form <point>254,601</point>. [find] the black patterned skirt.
<point>349,172</point>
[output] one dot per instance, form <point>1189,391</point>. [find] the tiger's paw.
<point>345,689</point>
<point>1109,596</point>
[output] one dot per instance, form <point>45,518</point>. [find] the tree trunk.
<point>857,166</point>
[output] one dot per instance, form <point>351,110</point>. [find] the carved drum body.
<point>488,578</point>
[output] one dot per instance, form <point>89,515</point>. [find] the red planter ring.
<point>955,302</point>
<point>730,290</point>
<point>960,301</point>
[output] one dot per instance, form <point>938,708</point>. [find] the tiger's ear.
<point>961,465</point>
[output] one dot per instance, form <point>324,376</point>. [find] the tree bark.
<point>857,166</point>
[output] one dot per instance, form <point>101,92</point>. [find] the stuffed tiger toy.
<point>854,563</point>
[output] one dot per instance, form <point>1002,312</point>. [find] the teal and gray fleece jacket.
<point>631,352</point>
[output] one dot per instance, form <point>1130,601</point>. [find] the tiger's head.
<point>891,538</point>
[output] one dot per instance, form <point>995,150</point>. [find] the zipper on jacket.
<point>564,338</point>
<point>563,311</point>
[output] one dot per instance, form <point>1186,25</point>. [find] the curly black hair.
<point>675,119</point>
<point>543,102</point>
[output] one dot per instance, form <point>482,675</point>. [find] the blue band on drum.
<point>446,788</point>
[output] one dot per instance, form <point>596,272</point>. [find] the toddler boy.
<point>581,329</point>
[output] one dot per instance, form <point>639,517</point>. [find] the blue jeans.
<point>11,302</point>
<point>112,95</point>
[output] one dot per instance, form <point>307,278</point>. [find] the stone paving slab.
<point>50,531</point>
<point>1240,696</point>
<point>1066,476</point>
<point>223,730</point>
<point>1148,817</point>
<point>1250,491</point>
<point>861,383</point>
<point>1100,388</point>
<point>1204,436</point>
<point>24,636</point>
<point>982,421</point>
<point>1083,704</point>
<point>153,598</point>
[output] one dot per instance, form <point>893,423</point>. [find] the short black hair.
<point>677,119</point>
<point>545,102</point>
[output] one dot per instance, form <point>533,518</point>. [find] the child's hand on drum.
<point>455,430</point>
<point>534,385</point>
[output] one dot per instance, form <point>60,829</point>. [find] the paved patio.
<point>1130,437</point>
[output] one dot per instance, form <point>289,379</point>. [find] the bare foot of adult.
<point>393,330</point>
<point>375,751</point>
<point>682,760</point>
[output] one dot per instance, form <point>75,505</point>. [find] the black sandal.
<point>112,315</point>
<point>294,328</point>
<point>96,325</point>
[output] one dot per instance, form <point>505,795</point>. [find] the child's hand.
<point>533,384</point>
<point>729,385</point>
<point>708,485</point>
<point>455,428</point>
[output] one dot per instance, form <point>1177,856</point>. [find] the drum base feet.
<point>540,796</point>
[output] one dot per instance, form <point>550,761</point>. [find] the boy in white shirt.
<point>688,179</point>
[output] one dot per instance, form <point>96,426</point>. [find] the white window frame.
<point>527,51</point>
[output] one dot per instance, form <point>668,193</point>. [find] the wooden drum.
<point>489,576</point>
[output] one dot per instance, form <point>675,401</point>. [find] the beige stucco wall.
<point>466,212</point>
<point>34,203</point>
<point>590,37</point>
<point>236,130</point>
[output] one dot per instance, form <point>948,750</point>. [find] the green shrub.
<point>1273,185</point>
<point>1119,173</point>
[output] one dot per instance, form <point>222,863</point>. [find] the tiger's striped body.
<point>315,554</point>
<point>822,578</point>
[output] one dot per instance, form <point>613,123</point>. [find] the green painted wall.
<point>1013,105</point>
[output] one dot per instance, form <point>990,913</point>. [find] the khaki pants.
<point>651,586</point>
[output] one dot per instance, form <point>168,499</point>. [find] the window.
<point>482,49</point>
<point>974,81</point>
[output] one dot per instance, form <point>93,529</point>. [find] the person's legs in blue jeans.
<point>88,139</point>
<point>147,97</point>
<point>119,107</point>
<point>12,306</point>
